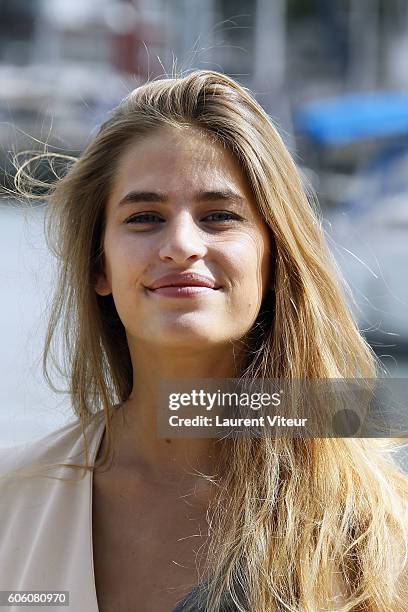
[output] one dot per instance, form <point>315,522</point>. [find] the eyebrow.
<point>226,195</point>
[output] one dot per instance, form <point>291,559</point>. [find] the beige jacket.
<point>45,523</point>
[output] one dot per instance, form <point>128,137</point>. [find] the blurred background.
<point>333,77</point>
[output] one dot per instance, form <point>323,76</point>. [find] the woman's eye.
<point>143,218</point>
<point>223,214</point>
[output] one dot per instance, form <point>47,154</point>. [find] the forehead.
<point>175,161</point>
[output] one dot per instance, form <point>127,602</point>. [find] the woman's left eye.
<point>227,214</point>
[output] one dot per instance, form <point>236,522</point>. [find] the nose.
<point>182,241</point>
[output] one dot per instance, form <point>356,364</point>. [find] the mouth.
<point>184,279</point>
<point>183,290</point>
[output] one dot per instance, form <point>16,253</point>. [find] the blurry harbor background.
<point>333,76</point>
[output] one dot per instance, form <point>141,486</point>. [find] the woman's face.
<point>180,203</point>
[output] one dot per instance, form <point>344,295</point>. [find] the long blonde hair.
<point>290,514</point>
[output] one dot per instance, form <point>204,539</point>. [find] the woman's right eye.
<point>143,218</point>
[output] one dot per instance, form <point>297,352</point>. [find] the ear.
<point>101,283</point>
<point>102,286</point>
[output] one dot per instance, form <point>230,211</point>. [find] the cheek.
<point>267,264</point>
<point>127,261</point>
<point>247,263</point>
<point>257,258</point>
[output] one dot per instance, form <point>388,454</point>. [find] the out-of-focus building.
<point>65,63</point>
<point>105,32</point>
<point>17,25</point>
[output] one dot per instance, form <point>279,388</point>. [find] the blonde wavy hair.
<point>292,518</point>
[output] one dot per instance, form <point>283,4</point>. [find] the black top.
<point>188,605</point>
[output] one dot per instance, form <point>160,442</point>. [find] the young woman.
<point>188,249</point>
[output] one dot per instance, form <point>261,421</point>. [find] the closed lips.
<point>184,280</point>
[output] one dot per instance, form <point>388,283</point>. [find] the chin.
<point>184,335</point>
<point>187,338</point>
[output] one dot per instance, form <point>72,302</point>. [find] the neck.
<point>137,446</point>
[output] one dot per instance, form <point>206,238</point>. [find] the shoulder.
<point>62,445</point>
